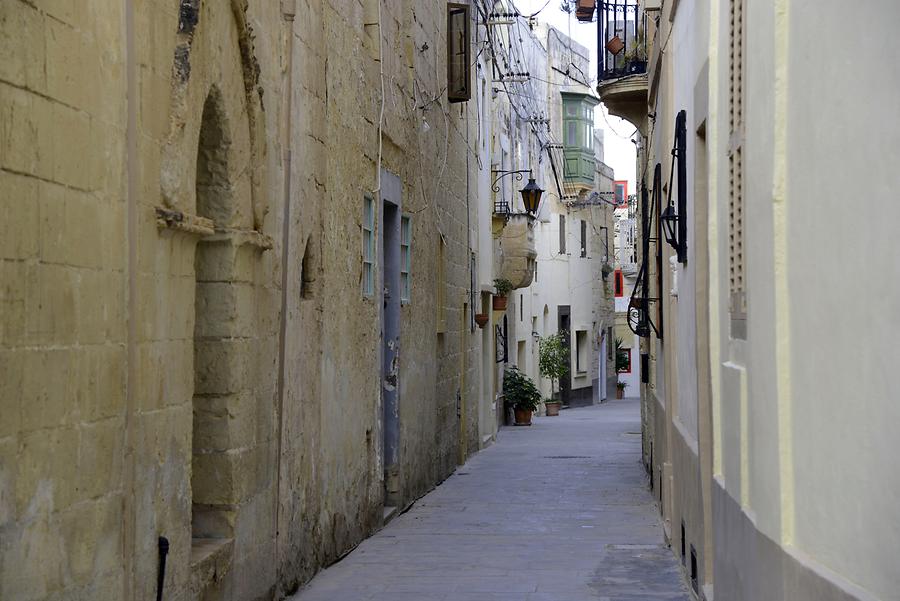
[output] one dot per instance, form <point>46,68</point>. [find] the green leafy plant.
<point>637,50</point>
<point>503,286</point>
<point>621,385</point>
<point>519,391</point>
<point>621,357</point>
<point>553,358</point>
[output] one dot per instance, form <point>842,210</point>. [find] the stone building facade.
<point>227,247</point>
<point>569,238</point>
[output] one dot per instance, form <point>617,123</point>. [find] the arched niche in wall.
<point>212,182</point>
<point>215,51</point>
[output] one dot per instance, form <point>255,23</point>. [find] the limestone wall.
<point>150,386</point>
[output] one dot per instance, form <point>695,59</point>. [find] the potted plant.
<point>504,287</point>
<point>553,364</point>
<point>636,55</point>
<point>481,319</point>
<point>520,393</point>
<point>552,406</point>
<point>620,389</point>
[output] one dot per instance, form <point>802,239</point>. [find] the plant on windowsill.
<point>553,364</point>
<point>504,287</point>
<point>520,394</point>
<point>620,389</point>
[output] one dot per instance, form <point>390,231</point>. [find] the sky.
<point>618,147</point>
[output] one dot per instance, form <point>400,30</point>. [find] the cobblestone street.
<point>556,512</point>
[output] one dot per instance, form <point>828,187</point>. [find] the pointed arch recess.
<point>215,54</point>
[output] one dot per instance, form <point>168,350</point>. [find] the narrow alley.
<point>556,512</point>
<point>278,278</point>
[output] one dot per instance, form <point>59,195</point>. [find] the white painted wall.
<point>807,439</point>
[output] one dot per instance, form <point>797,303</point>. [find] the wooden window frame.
<point>405,259</point>
<point>624,184</point>
<point>562,234</point>
<point>368,247</point>
<point>455,13</point>
<point>584,241</point>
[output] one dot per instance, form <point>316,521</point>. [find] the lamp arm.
<point>518,174</point>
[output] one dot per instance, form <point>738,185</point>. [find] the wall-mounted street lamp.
<point>531,196</point>
<point>670,220</point>
<point>674,221</point>
<point>531,193</point>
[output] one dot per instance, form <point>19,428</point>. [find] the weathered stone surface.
<point>140,364</point>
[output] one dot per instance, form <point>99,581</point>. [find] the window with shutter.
<point>368,247</point>
<point>458,71</point>
<point>405,258</point>
<point>562,234</point>
<point>736,244</point>
<point>583,238</point>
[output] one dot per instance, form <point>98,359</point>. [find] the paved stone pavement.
<point>556,512</point>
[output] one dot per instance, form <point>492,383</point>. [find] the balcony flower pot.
<point>636,66</point>
<point>552,408</point>
<point>504,287</point>
<point>481,319</point>
<point>520,393</point>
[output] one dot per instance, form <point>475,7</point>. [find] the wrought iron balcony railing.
<point>621,39</point>
<point>502,208</point>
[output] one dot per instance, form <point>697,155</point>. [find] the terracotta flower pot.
<point>481,319</point>
<point>499,303</point>
<point>523,417</point>
<point>620,392</point>
<point>552,408</point>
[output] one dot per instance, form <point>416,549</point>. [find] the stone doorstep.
<point>210,561</point>
<point>389,512</point>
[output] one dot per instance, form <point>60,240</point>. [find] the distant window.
<point>620,288</point>
<point>571,135</point>
<point>458,73</point>
<point>368,247</point>
<point>583,238</point>
<point>405,240</point>
<point>521,304</point>
<point>562,234</point>
<point>621,193</point>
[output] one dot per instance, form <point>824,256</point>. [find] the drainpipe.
<point>288,11</point>
<point>131,215</point>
